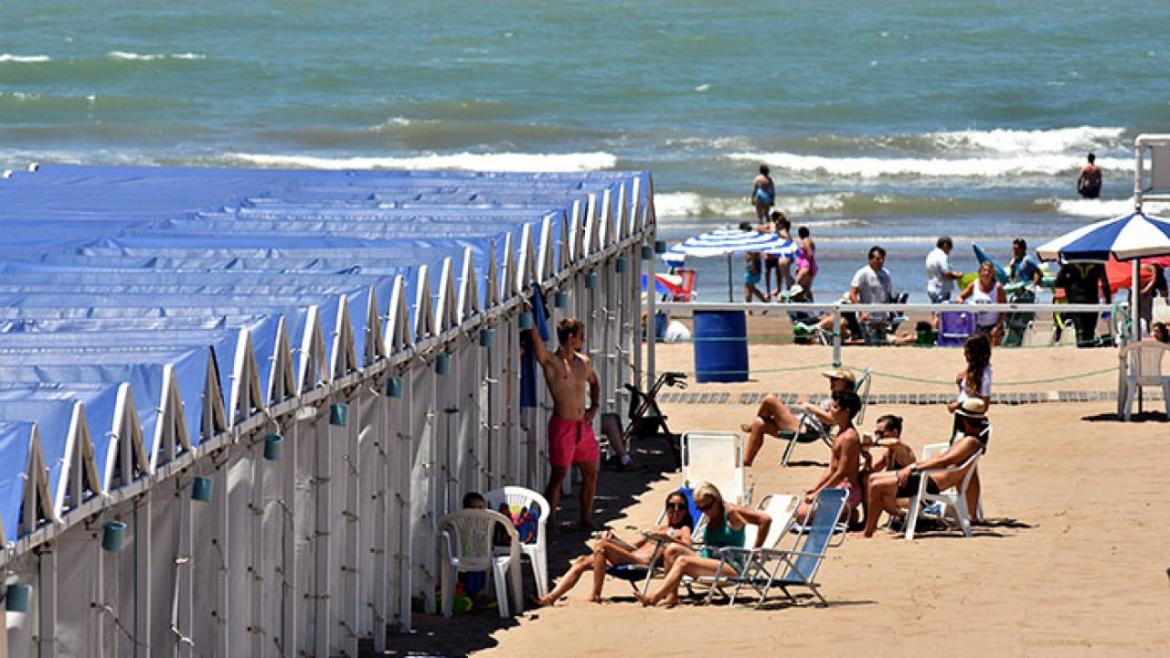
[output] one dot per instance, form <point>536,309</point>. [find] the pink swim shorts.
<point>852,493</point>
<point>571,442</point>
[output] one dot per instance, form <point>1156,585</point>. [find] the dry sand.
<point>1073,562</point>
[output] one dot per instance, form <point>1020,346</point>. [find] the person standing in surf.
<point>763,194</point>
<point>1089,179</point>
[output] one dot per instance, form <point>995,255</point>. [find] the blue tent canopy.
<point>113,277</point>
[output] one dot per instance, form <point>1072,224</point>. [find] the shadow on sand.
<point>436,636</point>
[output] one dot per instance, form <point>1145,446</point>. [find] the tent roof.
<point>144,284</point>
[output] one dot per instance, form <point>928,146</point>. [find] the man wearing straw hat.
<point>773,416</point>
<point>570,428</point>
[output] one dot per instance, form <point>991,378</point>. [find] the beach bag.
<point>526,520</point>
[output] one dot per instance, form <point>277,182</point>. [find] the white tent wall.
<point>327,544</point>
<point>420,427</point>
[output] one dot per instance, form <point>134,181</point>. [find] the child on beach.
<point>753,269</point>
<point>806,261</point>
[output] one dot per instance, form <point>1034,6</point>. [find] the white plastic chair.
<point>953,500</point>
<point>715,457</point>
<point>536,551</point>
<point>468,535</point>
<point>1144,360</point>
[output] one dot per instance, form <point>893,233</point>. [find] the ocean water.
<point>883,122</point>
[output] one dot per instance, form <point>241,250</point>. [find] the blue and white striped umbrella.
<point>722,242</point>
<point>1135,235</point>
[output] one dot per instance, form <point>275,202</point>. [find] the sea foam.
<point>509,162</point>
<point>1057,140</point>
<point>24,59</point>
<point>129,56</point>
<point>980,167</point>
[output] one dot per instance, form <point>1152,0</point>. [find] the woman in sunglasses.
<point>725,527</point>
<point>611,551</point>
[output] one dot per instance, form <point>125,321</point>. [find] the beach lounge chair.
<point>715,457</point>
<point>518,498</point>
<point>797,566</point>
<point>1141,365</point>
<point>637,573</point>
<point>467,542</point>
<point>945,506</point>
<point>739,566</point>
<point>809,431</point>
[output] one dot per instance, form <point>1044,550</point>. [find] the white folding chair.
<point>1144,360</point>
<point>536,551</point>
<point>715,457</point>
<point>468,536</point>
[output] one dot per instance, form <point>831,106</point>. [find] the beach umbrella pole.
<point>1135,320</point>
<point>729,297</point>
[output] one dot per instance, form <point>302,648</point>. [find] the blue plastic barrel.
<point>721,352</point>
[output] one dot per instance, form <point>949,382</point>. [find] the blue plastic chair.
<point>798,566</point>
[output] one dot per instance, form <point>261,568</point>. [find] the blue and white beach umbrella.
<point>1130,237</point>
<point>722,242</point>
<point>1135,235</point>
<point>725,242</point>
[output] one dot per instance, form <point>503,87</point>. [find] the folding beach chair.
<point>637,573</point>
<point>715,457</point>
<point>797,566</point>
<point>945,506</point>
<point>954,327</point>
<point>737,566</point>
<point>808,430</point>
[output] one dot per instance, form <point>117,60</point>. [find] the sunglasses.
<point>676,506</point>
<point>708,506</point>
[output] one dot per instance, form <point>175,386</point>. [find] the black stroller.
<point>645,418</point>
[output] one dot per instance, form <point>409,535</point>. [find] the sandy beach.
<point>1071,562</point>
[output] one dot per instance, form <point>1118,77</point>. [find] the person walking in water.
<point>1089,179</point>
<point>570,428</point>
<point>763,194</point>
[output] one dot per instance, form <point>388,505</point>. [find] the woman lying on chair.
<point>887,487</point>
<point>725,527</point>
<point>611,551</point>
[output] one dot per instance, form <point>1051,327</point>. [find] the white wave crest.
<point>1058,140</point>
<point>1104,208</point>
<point>508,162</point>
<point>24,59</point>
<point>128,56</point>
<point>693,204</point>
<point>871,167</point>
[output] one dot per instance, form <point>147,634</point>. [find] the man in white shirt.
<point>940,277</point>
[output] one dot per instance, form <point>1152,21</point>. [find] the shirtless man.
<point>773,416</point>
<point>842,472</point>
<point>1089,179</point>
<point>570,428</point>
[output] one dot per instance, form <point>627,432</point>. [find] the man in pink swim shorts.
<point>570,429</point>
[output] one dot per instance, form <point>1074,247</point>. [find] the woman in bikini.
<point>610,551</point>
<point>806,260</point>
<point>725,527</point>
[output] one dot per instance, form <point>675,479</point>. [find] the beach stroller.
<point>645,418</point>
<point>1017,323</point>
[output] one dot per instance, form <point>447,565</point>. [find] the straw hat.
<point>973,408</point>
<point>841,373</point>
